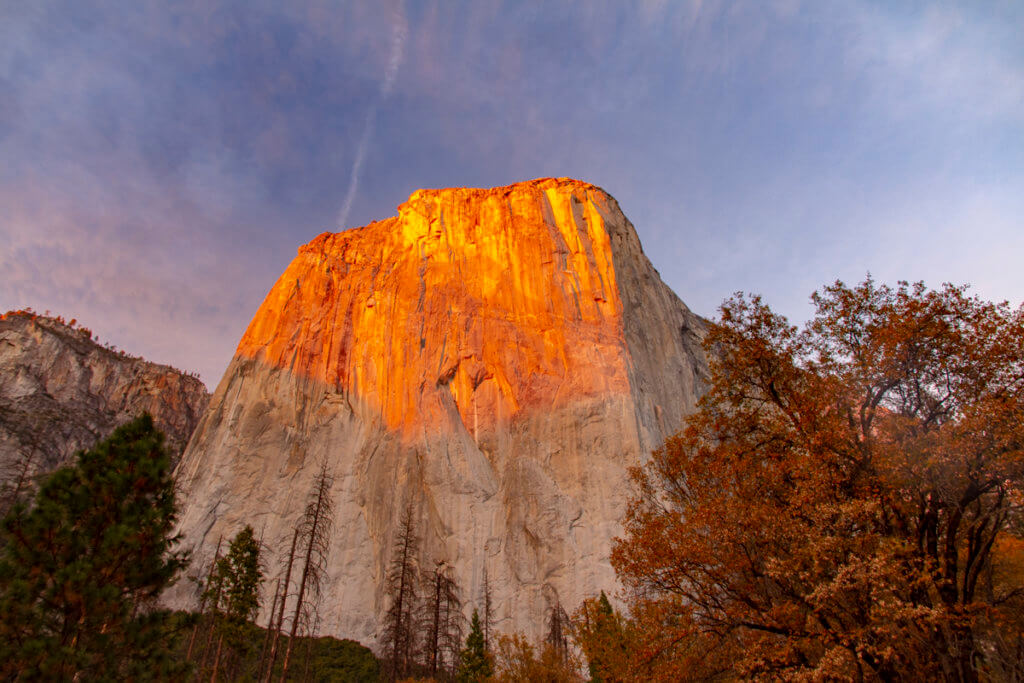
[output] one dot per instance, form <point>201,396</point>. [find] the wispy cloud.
<point>941,57</point>
<point>400,33</point>
<point>162,161</point>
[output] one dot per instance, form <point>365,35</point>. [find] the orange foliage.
<point>606,639</point>
<point>839,507</point>
<point>517,661</point>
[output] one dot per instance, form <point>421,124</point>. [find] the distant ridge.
<point>61,391</point>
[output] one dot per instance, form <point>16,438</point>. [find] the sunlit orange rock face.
<point>502,301</point>
<point>497,357</point>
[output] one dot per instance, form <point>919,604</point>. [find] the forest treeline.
<point>845,504</point>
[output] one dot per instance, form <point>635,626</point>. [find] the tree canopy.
<point>82,566</point>
<point>846,502</point>
<point>474,661</point>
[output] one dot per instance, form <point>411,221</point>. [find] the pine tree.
<point>314,537</point>
<point>603,624</point>
<point>603,636</point>
<point>275,623</point>
<point>558,627</point>
<point>83,565</point>
<point>488,616</point>
<point>441,615</point>
<point>233,592</point>
<point>474,660</point>
<point>401,585</point>
<point>16,477</point>
<point>242,575</point>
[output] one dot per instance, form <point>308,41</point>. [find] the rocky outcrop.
<point>60,391</point>
<point>498,358</point>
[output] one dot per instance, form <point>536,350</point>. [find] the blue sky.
<point>162,161</point>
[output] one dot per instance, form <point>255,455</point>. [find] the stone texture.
<point>61,392</point>
<point>500,357</point>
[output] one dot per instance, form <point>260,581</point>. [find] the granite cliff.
<point>60,391</point>
<point>497,357</point>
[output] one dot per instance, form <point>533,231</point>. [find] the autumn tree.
<point>517,660</point>
<point>602,634</point>
<point>83,565</point>
<point>402,590</point>
<point>835,505</point>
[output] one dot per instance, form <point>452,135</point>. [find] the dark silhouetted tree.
<point>474,660</point>
<point>314,540</point>
<point>488,605</point>
<point>401,586</point>
<point>276,623</point>
<point>83,565</point>
<point>233,595</point>
<point>441,615</point>
<point>558,630</point>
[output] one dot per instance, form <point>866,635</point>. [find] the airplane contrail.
<point>400,32</point>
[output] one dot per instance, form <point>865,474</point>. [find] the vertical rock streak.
<point>505,299</point>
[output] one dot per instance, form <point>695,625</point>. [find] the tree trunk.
<point>309,656</point>
<point>280,609</point>
<point>270,630</point>
<point>487,610</point>
<point>398,628</point>
<point>202,602</point>
<point>209,635</point>
<point>315,522</point>
<point>216,659</point>
<point>436,632</point>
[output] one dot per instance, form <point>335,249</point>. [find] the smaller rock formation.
<point>60,392</point>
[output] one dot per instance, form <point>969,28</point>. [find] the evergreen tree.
<point>242,575</point>
<point>474,660</point>
<point>604,623</point>
<point>233,593</point>
<point>602,634</point>
<point>83,565</point>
